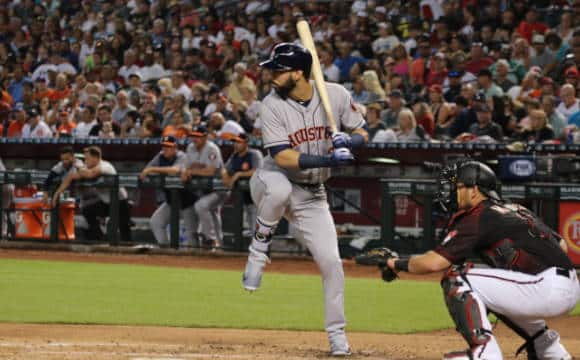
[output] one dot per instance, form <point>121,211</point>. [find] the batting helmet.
<point>289,56</point>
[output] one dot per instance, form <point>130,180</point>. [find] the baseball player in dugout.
<point>528,276</point>
<point>301,151</point>
<point>170,162</point>
<point>204,158</point>
<point>242,164</point>
<point>95,166</point>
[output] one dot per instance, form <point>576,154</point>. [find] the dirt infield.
<point>67,342</point>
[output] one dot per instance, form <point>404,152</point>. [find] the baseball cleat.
<point>339,346</point>
<point>458,355</point>
<point>255,265</point>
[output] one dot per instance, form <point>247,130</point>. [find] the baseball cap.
<point>538,39</point>
<point>381,9</point>
<point>482,108</point>
<point>454,74</point>
<point>241,138</point>
<point>396,93</point>
<point>169,141</point>
<point>31,112</point>
<point>199,131</point>
<point>229,28</point>
<point>18,107</point>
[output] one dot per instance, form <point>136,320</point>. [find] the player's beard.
<point>284,90</point>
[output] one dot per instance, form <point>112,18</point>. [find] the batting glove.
<point>341,140</point>
<point>341,157</point>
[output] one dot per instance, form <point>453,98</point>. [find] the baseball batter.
<point>301,149</point>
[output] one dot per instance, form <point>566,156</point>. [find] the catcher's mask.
<point>469,173</point>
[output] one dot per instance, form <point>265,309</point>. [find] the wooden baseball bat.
<point>308,42</point>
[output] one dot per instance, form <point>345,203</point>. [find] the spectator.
<point>16,87</point>
<point>390,116</point>
<point>120,111</point>
<point>485,126</point>
<point>170,162</point>
<point>419,69</point>
<point>540,130</point>
<point>478,60</point>
<point>178,83</point>
<point>543,58</point>
<point>346,60</point>
<point>453,88</point>
<point>373,119</point>
<point>95,167</point>
<point>218,126</point>
<point>408,130</point>
<point>465,118</point>
<point>531,25</point>
<point>438,70</point>
<point>86,123</point>
<point>104,117</point>
<point>502,76</point>
<point>401,61</point>
<point>569,104</point>
<point>424,117</point>
<point>35,127</point>
<point>330,70</point>
<point>486,84</point>
<point>386,41</point>
<point>65,125</point>
<point>556,120</point>
<point>239,80</point>
<point>373,87</point>
<point>204,159</point>
<point>443,114</point>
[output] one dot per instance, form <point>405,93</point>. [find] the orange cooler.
<point>33,219</point>
<point>29,217</point>
<point>66,217</point>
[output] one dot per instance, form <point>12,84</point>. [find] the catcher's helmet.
<point>468,173</point>
<point>472,173</point>
<point>289,56</point>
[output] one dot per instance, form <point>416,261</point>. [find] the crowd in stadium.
<point>429,70</point>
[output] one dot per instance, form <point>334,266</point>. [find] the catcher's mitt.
<point>379,258</point>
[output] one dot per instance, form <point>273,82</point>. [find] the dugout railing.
<point>132,181</point>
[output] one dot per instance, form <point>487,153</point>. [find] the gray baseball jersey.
<point>209,155</point>
<point>306,128</point>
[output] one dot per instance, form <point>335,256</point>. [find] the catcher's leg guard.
<point>544,344</point>
<point>465,309</point>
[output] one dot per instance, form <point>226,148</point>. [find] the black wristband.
<point>402,265</point>
<point>306,161</point>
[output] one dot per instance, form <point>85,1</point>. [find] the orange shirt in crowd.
<point>7,98</point>
<point>49,93</point>
<point>59,94</point>
<point>15,128</point>
<point>179,132</point>
<point>67,127</point>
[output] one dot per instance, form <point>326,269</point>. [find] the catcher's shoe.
<point>255,265</point>
<point>339,346</point>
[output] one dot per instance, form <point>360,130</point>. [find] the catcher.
<point>529,277</point>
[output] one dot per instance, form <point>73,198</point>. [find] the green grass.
<point>85,293</point>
